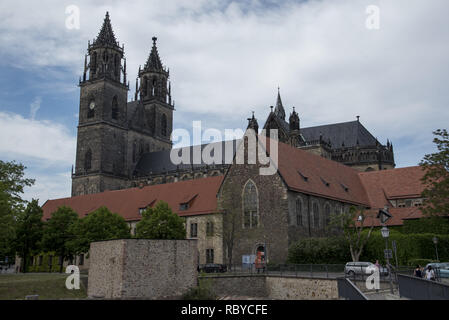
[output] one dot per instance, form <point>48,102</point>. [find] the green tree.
<point>436,177</point>
<point>160,223</point>
<point>29,232</point>
<point>58,232</point>
<point>352,225</point>
<point>12,183</point>
<point>99,225</point>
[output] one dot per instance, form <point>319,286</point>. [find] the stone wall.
<point>252,286</point>
<point>284,288</point>
<point>274,287</point>
<point>140,268</point>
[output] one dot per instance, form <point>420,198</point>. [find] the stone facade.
<point>208,239</point>
<point>137,268</point>
<point>272,229</point>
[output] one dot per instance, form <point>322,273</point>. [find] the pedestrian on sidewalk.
<point>430,274</point>
<point>418,272</point>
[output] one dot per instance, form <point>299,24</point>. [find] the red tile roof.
<point>401,183</point>
<point>127,202</point>
<point>370,189</point>
<point>312,174</point>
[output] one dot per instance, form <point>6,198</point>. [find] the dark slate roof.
<point>159,162</point>
<point>347,132</point>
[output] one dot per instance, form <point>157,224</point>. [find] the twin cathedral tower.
<point>122,144</point>
<point>112,132</point>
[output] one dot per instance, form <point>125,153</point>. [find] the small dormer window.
<point>344,187</point>
<point>305,178</point>
<point>325,182</point>
<point>184,206</point>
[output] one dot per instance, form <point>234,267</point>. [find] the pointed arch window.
<point>153,87</point>
<point>164,125</point>
<point>115,108</point>
<point>316,215</point>
<point>88,160</point>
<point>327,214</point>
<point>134,151</point>
<point>250,206</point>
<point>298,212</point>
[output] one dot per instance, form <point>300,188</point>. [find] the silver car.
<point>353,268</point>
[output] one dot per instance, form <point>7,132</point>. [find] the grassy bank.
<point>47,286</point>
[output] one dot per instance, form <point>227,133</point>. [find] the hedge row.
<point>412,249</point>
<point>46,266</point>
<point>438,225</point>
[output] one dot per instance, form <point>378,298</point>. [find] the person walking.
<point>418,272</point>
<point>430,274</point>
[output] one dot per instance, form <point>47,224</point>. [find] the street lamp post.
<point>385,234</point>
<point>383,216</point>
<point>435,241</point>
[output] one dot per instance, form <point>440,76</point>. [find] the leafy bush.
<point>412,249</point>
<point>333,250</point>
<point>438,225</point>
<point>202,292</point>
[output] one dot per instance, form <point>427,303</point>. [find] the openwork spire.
<point>154,62</point>
<point>106,35</point>
<point>279,110</point>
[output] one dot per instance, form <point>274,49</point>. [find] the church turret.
<point>252,124</point>
<point>294,120</point>
<point>294,134</point>
<point>279,110</point>
<point>106,56</point>
<point>154,78</point>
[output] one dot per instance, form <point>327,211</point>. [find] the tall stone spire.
<point>279,110</point>
<point>154,62</point>
<point>106,35</point>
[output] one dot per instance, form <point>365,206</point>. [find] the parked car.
<point>441,269</point>
<point>213,268</point>
<point>353,268</point>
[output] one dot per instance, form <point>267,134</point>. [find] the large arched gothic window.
<point>164,125</point>
<point>114,108</point>
<point>298,212</point>
<point>88,160</point>
<point>316,215</point>
<point>250,205</point>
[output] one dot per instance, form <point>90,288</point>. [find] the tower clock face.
<point>92,105</point>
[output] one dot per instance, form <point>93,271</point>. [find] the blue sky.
<point>226,59</point>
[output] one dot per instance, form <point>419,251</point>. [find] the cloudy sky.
<point>226,59</point>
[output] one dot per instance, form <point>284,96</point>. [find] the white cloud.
<point>43,142</point>
<point>227,58</point>
<point>34,107</point>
